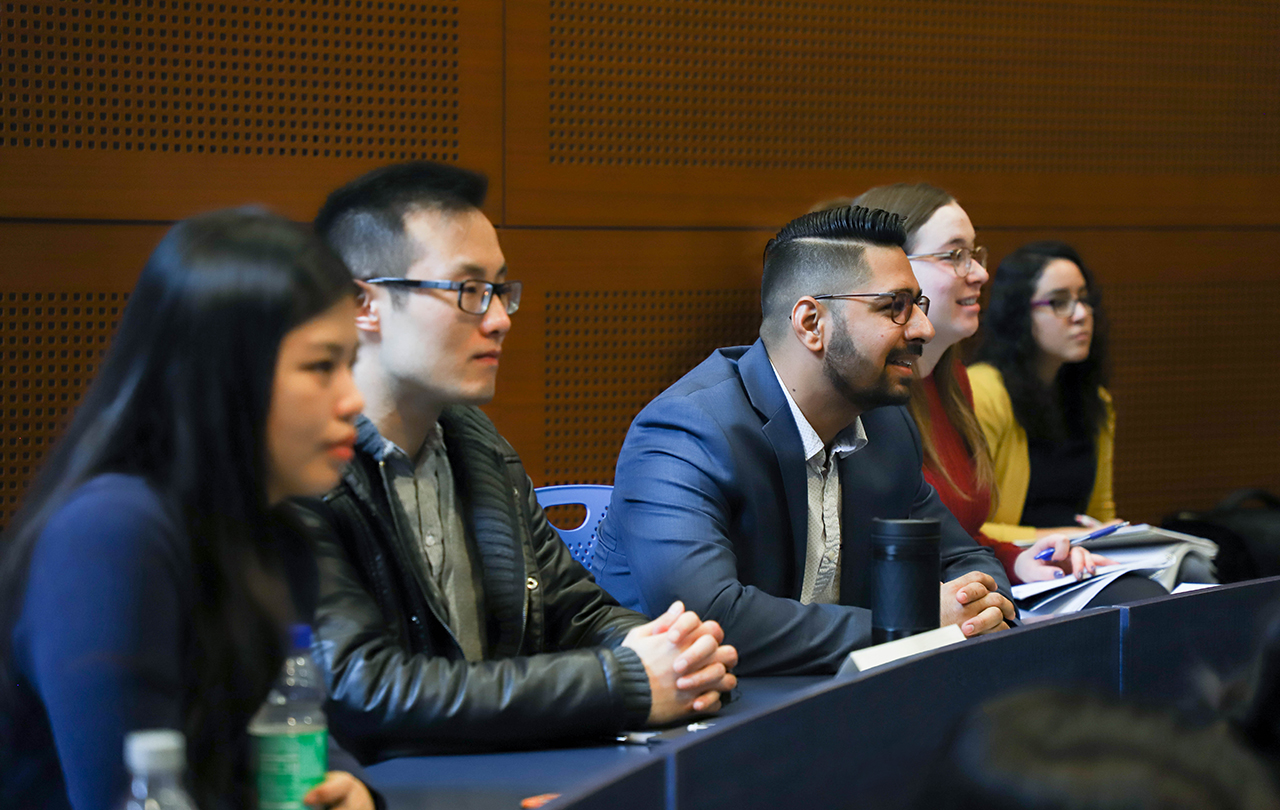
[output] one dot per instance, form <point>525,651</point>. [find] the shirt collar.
<point>850,440</point>
<point>389,449</point>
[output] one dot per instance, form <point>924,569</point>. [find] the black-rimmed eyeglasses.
<point>960,259</point>
<point>899,310</point>
<point>474,295</point>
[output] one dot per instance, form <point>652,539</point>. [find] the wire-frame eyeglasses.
<point>960,259</point>
<point>899,310</point>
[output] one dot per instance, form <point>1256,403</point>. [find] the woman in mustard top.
<point>1039,395</point>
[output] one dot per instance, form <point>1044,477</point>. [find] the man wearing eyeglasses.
<point>748,488</point>
<point>451,617</point>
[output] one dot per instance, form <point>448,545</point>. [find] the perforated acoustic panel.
<point>1197,399</point>
<point>928,85</point>
<point>609,353</point>
<point>298,78</point>
<point>289,77</point>
<point>50,348</point>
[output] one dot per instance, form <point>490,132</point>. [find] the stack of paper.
<point>1146,550</point>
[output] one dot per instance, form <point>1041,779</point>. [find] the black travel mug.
<point>904,597</point>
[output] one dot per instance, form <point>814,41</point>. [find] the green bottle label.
<point>288,766</point>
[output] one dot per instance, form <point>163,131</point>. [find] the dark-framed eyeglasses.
<point>960,259</point>
<point>1064,304</point>
<point>899,310</point>
<point>474,295</point>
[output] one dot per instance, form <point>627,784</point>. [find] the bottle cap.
<point>156,749</point>
<point>300,635</point>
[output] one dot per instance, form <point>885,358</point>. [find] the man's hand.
<point>1077,561</point>
<point>973,602</point>
<point>687,664</point>
<point>339,791</point>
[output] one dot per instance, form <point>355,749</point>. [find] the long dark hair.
<point>182,400</point>
<point>1072,407</point>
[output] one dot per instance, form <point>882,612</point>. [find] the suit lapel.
<point>855,542</point>
<point>780,429</point>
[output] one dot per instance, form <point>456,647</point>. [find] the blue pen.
<point>1047,554</point>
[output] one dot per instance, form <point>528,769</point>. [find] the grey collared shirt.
<point>822,550</point>
<point>424,489</point>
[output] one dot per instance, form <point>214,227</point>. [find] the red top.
<point>972,512</point>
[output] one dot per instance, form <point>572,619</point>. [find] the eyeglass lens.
<point>962,259</point>
<point>1065,305</point>
<point>900,311</point>
<point>475,296</point>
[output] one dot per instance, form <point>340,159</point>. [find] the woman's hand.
<point>339,791</point>
<point>1066,559</point>
<point>1074,531</point>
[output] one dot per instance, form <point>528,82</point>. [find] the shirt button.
<point>431,540</point>
<point>531,584</point>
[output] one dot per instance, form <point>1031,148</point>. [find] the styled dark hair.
<point>364,220</point>
<point>182,400</point>
<point>814,251</point>
<point>1050,749</point>
<point>1073,406</point>
<point>916,203</point>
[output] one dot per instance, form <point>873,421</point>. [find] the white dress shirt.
<point>822,550</point>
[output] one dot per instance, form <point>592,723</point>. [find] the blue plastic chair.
<point>595,497</point>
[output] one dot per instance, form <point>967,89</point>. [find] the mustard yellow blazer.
<point>1008,443</point>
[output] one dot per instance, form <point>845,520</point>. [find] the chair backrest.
<point>595,497</point>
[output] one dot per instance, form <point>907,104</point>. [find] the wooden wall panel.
<point>65,287</point>
<point>609,319</point>
<point>156,109</point>
<point>724,112</point>
<point>1197,401</point>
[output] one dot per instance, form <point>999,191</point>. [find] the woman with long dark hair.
<point>1039,393</point>
<point>951,269</point>
<point>148,582</point>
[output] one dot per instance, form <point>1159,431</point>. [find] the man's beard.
<point>844,362</point>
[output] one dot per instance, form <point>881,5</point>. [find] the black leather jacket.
<point>398,681</point>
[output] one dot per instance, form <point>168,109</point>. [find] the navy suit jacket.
<point>710,506</point>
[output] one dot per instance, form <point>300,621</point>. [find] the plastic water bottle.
<point>290,733</point>
<point>156,759</point>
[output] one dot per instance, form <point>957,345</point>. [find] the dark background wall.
<point>640,156</point>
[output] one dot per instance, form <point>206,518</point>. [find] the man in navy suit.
<point>748,488</point>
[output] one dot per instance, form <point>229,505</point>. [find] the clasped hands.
<point>973,603</point>
<point>688,664</point>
